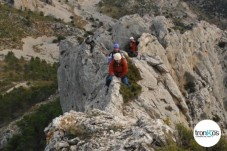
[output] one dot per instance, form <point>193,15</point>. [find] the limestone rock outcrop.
<point>183,79</point>
<point>101,131</point>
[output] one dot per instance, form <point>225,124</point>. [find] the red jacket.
<point>133,45</point>
<point>118,69</point>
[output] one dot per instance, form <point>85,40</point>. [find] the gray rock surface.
<point>100,131</point>
<point>7,133</point>
<point>182,62</point>
<point>183,77</point>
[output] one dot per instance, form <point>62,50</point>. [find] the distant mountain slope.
<point>58,9</point>
<point>214,11</point>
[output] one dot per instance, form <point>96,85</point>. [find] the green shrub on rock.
<point>135,89</point>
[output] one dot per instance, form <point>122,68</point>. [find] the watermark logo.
<point>207,133</point>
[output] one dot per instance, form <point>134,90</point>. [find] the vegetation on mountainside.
<point>32,136</point>
<point>17,24</point>
<point>212,11</point>
<point>186,142</point>
<point>135,89</point>
<point>78,21</point>
<point>213,8</point>
<point>112,9</point>
<point>117,9</point>
<point>18,101</point>
<point>15,70</point>
<point>209,10</point>
<point>59,38</point>
<point>41,81</point>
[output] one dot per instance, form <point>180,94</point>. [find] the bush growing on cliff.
<point>133,76</point>
<point>59,38</point>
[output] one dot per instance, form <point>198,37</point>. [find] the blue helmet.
<point>116,46</point>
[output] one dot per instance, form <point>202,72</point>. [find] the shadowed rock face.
<point>81,76</point>
<point>183,75</point>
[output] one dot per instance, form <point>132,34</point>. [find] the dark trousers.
<point>132,53</point>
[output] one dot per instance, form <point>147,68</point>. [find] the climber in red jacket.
<point>133,51</point>
<point>119,68</point>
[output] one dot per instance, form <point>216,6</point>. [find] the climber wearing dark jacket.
<point>91,42</point>
<point>133,52</point>
<point>119,68</point>
<point>116,49</point>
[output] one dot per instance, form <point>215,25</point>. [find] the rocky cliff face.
<point>183,80</point>
<point>103,131</point>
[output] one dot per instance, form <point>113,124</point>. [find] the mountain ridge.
<point>182,62</point>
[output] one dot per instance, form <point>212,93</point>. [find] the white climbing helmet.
<point>131,38</point>
<point>117,56</point>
